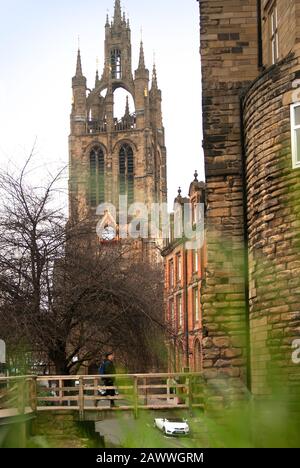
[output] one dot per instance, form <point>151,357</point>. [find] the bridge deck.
<point>13,412</point>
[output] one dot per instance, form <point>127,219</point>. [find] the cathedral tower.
<point>110,156</point>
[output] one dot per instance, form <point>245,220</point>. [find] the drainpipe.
<point>186,308</point>
<point>259,34</point>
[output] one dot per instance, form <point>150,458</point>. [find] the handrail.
<point>83,393</point>
<point>18,377</point>
<point>17,395</point>
<point>140,376</point>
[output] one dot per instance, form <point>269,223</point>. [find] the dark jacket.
<point>109,369</point>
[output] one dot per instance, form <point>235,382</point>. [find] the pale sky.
<point>38,46</point>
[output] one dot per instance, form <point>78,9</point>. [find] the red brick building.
<point>184,271</point>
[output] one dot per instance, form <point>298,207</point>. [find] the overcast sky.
<point>38,44</point>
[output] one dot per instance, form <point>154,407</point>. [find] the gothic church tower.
<point>111,157</point>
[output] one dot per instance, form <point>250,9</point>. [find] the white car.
<point>172,426</point>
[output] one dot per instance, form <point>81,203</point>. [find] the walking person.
<point>108,368</point>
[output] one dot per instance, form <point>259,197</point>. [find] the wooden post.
<point>81,398</point>
<point>186,391</point>
<point>135,397</point>
<point>96,391</point>
<point>168,391</point>
<point>61,392</point>
<point>190,392</point>
<point>33,393</point>
<point>146,392</point>
<point>21,399</point>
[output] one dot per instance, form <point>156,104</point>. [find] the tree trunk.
<point>61,367</point>
<point>59,359</point>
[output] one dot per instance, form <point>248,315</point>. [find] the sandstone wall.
<point>273,191</point>
<point>229,64</point>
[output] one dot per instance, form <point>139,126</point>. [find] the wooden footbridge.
<point>26,396</point>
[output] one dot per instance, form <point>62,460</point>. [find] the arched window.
<point>126,168</point>
<point>97,176</point>
<point>116,64</point>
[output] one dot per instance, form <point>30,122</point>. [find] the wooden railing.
<point>134,392</point>
<point>17,396</point>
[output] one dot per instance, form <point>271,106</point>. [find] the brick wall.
<point>179,287</point>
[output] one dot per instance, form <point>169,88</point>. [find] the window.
<point>171,229</point>
<point>171,313</point>
<point>195,261</point>
<point>179,267</point>
<point>196,304</point>
<point>97,171</point>
<point>116,64</point>
<point>295,134</point>
<point>179,311</point>
<point>195,212</point>
<point>171,274</point>
<point>126,166</point>
<point>274,34</point>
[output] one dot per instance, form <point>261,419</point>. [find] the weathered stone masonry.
<point>273,191</point>
<point>111,157</point>
<point>252,193</point>
<point>229,64</point>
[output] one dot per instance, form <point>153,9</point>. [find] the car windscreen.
<point>175,420</point>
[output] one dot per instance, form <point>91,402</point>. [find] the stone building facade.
<point>251,105</point>
<point>111,157</point>
<point>184,271</point>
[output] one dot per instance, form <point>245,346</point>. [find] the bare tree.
<point>68,304</point>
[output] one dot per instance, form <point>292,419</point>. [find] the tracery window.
<point>116,64</point>
<point>97,176</point>
<point>126,166</point>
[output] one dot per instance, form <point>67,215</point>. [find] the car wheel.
<point>165,431</point>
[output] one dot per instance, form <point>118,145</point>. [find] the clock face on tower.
<point>108,233</point>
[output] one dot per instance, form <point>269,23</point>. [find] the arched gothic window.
<point>97,176</point>
<point>116,64</point>
<point>126,163</point>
